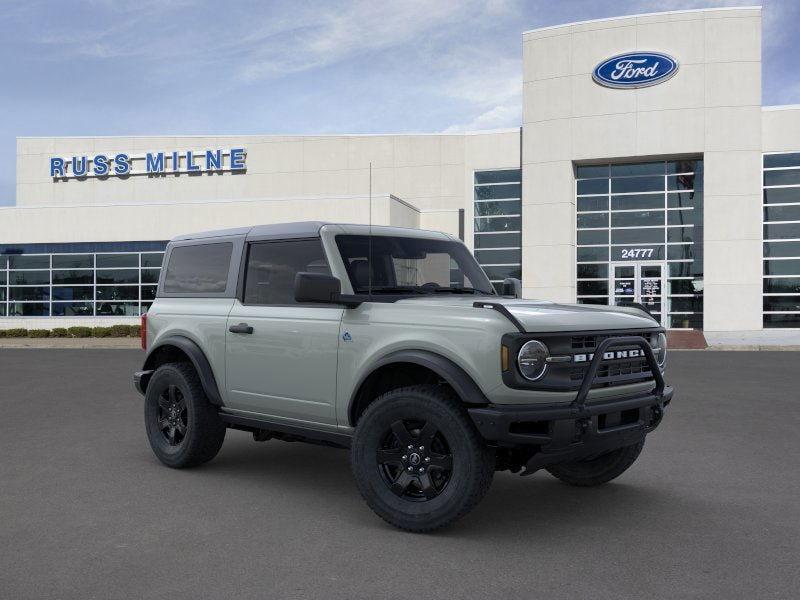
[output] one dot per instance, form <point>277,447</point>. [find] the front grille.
<point>612,372</point>
<point>584,342</point>
<point>616,370</point>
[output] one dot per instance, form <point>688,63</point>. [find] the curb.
<point>71,343</point>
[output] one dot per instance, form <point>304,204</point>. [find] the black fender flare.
<point>198,359</point>
<point>464,386</point>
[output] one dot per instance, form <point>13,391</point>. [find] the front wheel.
<point>418,460</point>
<point>597,470</point>
<point>183,427</point>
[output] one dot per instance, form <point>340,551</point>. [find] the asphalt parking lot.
<point>710,510</point>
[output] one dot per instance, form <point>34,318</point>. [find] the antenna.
<point>369,238</point>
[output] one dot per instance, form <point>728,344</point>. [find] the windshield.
<point>411,265</point>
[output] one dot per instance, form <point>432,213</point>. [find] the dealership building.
<point>645,169</point>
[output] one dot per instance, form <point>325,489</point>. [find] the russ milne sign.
<point>151,163</point>
<point>635,70</point>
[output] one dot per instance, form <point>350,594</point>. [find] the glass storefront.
<point>498,223</point>
<point>76,284</point>
<point>640,237</point>
<point>781,278</point>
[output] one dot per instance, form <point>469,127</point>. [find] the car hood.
<point>541,315</point>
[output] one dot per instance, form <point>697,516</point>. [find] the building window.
<point>781,279</point>
<point>498,224</point>
<point>640,238</point>
<point>77,284</point>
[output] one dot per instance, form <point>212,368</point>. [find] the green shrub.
<point>59,332</point>
<point>136,330</point>
<point>120,330</point>
<point>38,333</point>
<point>80,332</point>
<point>101,332</point>
<point>16,332</point>
<point>2,333</point>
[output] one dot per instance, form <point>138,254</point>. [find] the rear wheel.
<point>597,470</point>
<point>417,459</point>
<point>183,427</point>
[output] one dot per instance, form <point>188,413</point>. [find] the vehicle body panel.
<point>202,320</point>
<point>287,366</point>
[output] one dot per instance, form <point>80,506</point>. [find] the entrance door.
<point>640,282</point>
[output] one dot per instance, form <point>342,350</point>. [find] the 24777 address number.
<point>637,252</point>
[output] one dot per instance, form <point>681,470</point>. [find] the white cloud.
<point>497,117</point>
<point>328,36</point>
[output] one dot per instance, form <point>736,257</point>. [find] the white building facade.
<point>645,170</point>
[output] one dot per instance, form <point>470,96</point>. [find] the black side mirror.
<point>317,287</point>
<point>512,287</point>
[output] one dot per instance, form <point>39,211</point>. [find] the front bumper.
<point>571,430</point>
<point>553,433</point>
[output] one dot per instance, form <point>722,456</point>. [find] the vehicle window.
<point>272,266</point>
<point>407,264</point>
<point>198,269</point>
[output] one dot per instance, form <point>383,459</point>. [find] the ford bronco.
<point>393,343</point>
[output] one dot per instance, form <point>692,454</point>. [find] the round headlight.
<point>532,360</point>
<point>660,347</point>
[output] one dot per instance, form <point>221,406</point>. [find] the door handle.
<point>240,328</point>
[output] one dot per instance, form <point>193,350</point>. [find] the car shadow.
<point>514,504</point>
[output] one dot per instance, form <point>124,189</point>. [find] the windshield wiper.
<point>457,290</point>
<point>393,289</point>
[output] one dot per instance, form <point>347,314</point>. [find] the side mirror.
<point>317,287</point>
<point>512,287</point>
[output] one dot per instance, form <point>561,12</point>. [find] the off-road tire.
<point>204,430</point>
<point>599,470</point>
<point>472,462</point>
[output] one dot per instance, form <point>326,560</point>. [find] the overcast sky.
<point>153,67</point>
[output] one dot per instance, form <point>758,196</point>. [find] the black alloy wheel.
<point>414,460</point>
<point>418,460</point>
<point>172,417</point>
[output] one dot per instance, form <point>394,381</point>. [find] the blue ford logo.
<point>635,70</point>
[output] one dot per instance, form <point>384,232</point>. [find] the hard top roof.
<point>301,229</point>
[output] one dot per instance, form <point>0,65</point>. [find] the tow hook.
<point>656,414</point>
<point>581,427</point>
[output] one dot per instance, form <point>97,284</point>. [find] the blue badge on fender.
<point>635,70</point>
<point>346,337</point>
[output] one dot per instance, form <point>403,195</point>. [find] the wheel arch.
<point>178,348</point>
<point>395,369</point>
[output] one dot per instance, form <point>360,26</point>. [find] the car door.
<point>281,356</point>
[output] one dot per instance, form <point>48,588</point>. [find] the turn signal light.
<point>143,331</point>
<point>504,357</point>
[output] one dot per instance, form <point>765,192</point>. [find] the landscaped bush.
<point>115,331</point>
<point>119,331</point>
<point>17,332</point>
<point>80,332</point>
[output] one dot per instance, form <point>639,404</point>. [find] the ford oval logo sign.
<point>635,70</point>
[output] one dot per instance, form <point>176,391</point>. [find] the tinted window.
<point>272,266</point>
<point>199,269</point>
<point>73,261</point>
<point>512,175</point>
<point>414,265</point>
<point>117,260</point>
<point>29,262</point>
<point>593,220</point>
<point>490,192</point>
<point>506,207</point>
